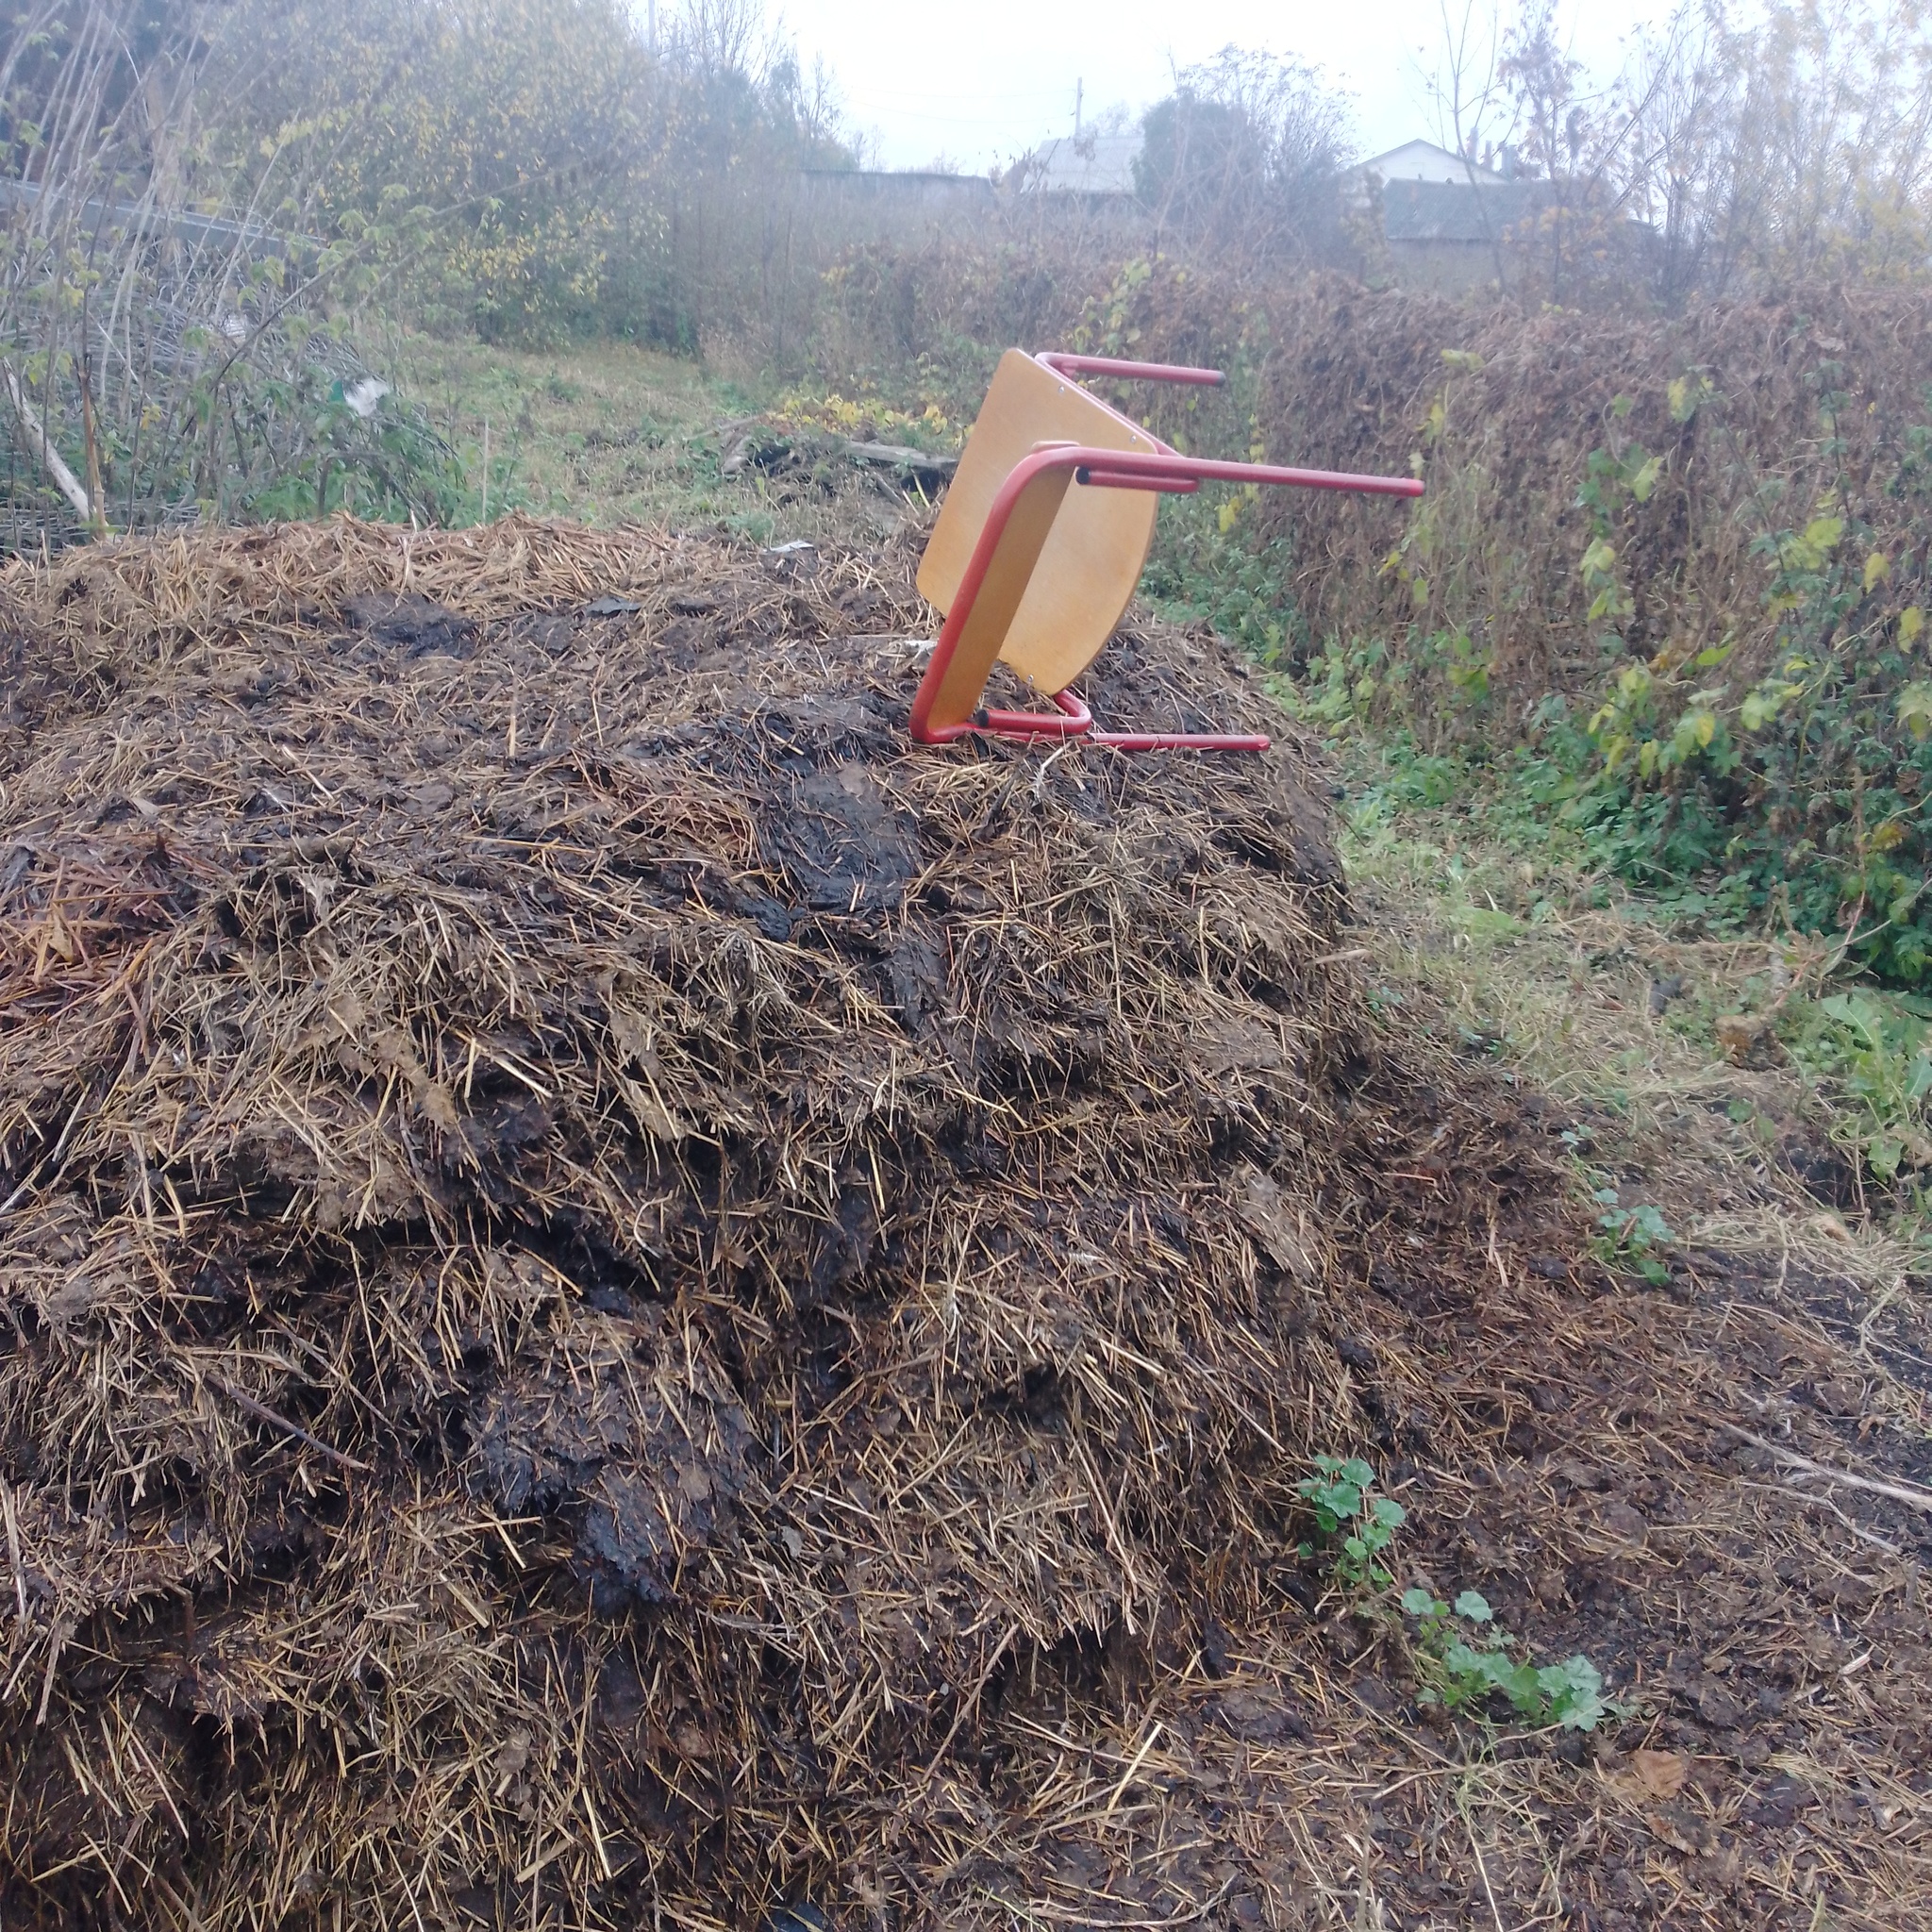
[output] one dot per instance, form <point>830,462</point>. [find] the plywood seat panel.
<point>1097,547</point>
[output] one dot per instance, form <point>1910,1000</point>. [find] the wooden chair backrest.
<point>1097,548</point>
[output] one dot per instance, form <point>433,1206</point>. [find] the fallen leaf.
<point>1739,1035</point>
<point>1649,1776</point>
<point>1679,1829</point>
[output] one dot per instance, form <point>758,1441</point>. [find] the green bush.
<point>1691,630</point>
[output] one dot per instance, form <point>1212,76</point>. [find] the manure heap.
<point>603,1262</point>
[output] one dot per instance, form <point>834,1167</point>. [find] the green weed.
<point>377,457</point>
<point>1633,1239</point>
<point>1203,567</point>
<point>1794,793</point>
<point>1807,788</point>
<point>1874,1053</point>
<point>1461,1659</point>
<point>1345,1509</point>
<point>870,418</point>
<point>1464,1660</point>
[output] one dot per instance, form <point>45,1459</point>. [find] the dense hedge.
<point>1686,559</point>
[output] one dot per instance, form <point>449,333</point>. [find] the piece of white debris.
<point>364,396</point>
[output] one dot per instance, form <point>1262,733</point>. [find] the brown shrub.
<point>1354,379</point>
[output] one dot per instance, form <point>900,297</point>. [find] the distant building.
<point>1444,219</point>
<point>1096,167</point>
<point>1423,160</point>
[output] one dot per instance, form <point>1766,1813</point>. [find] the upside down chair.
<point>1041,539</point>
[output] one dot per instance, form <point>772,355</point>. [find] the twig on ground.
<point>1909,1495</point>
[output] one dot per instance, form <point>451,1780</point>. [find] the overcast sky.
<point>981,81</point>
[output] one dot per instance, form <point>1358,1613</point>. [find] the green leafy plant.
<point>1612,476</point>
<point>1807,785</point>
<point>1211,559</point>
<point>1204,567</point>
<point>1762,758</point>
<point>335,442</point>
<point>1347,1511</point>
<point>1464,1658</point>
<point>1633,1238</point>
<point>1875,1054</point>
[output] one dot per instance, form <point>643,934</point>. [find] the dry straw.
<point>625,1297</point>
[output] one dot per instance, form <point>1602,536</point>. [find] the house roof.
<point>1082,164</point>
<point>1423,160</point>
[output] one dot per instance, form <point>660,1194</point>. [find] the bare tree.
<point>1723,154</point>
<point>1243,156</point>
<point>725,40</point>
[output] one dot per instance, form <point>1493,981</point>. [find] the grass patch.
<point>1725,1088</point>
<point>610,432</point>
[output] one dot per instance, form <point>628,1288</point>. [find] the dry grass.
<point>627,1297</point>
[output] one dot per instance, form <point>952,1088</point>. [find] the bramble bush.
<point>1465,1659</point>
<point>1462,1660</point>
<point>1669,578</point>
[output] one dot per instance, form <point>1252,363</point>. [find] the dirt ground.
<point>1716,1486</point>
<point>1715,1489</point>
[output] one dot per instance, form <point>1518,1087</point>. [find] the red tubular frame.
<point>1160,468</point>
<point>1063,364</point>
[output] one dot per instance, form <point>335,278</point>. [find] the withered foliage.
<point>592,1242</point>
<point>1764,414</point>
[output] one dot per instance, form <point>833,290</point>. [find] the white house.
<point>1423,160</point>
<point>1092,164</point>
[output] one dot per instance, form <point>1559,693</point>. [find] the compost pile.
<point>598,1253</point>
